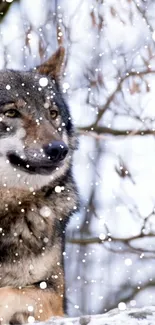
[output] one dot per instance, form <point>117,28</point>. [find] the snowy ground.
<point>143,316</point>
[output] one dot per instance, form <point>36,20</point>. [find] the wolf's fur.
<point>35,203</point>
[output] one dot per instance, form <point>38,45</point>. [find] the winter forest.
<point>109,84</point>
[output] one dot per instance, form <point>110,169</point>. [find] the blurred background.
<point>109,83</point>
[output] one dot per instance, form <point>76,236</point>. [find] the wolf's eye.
<point>54,114</point>
<point>12,113</point>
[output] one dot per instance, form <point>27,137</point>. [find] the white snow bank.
<point>131,316</point>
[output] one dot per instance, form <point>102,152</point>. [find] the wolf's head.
<point>36,133</point>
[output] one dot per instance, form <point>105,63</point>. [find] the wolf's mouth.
<point>32,167</point>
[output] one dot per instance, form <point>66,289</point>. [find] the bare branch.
<point>118,88</point>
<point>116,132</point>
<point>98,240</point>
<point>4,8</point>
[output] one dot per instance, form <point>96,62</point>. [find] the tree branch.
<point>98,240</point>
<point>118,88</point>
<point>116,132</point>
<point>4,8</point>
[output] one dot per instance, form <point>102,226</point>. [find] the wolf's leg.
<point>16,305</point>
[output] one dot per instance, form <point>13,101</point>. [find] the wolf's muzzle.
<point>56,151</point>
<point>38,162</point>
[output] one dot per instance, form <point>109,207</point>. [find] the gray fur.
<point>31,243</point>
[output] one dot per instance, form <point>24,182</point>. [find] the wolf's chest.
<point>25,233</point>
<point>30,270</point>
<point>30,247</point>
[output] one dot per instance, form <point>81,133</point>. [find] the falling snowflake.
<point>8,87</point>
<point>30,308</point>
<point>122,306</point>
<point>58,189</point>
<point>43,82</point>
<point>45,211</point>
<point>128,261</point>
<point>43,285</point>
<point>31,319</point>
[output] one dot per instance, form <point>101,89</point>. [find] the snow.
<point>8,87</point>
<point>58,189</point>
<point>43,285</point>
<point>102,236</point>
<point>45,211</point>
<point>128,261</point>
<point>43,82</point>
<point>31,319</point>
<point>142,316</point>
<point>121,306</point>
<point>30,308</point>
<point>65,87</point>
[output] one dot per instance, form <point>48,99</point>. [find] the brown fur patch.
<point>54,64</point>
<point>14,304</point>
<point>42,134</point>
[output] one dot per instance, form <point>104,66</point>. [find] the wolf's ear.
<point>54,65</point>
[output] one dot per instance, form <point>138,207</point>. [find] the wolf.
<point>37,191</point>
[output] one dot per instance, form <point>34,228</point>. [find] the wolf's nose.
<point>56,150</point>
